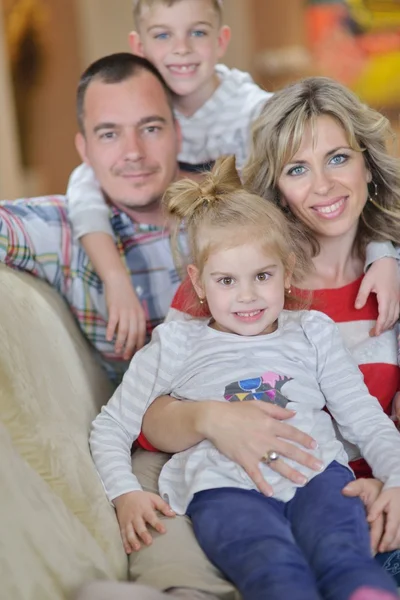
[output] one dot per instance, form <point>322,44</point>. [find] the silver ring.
<point>270,457</point>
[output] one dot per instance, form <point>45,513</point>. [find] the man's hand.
<point>125,315</point>
<point>137,510</point>
<point>382,279</point>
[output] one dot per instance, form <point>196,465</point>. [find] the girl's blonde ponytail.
<point>185,198</point>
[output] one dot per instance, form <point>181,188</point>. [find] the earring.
<point>201,300</point>
<point>375,192</point>
<point>289,291</point>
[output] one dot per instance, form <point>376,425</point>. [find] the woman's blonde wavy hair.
<point>277,134</point>
<point>219,213</point>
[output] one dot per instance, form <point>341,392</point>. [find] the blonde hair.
<point>220,213</point>
<point>138,6</point>
<point>277,134</point>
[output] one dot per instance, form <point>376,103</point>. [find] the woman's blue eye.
<point>339,159</point>
<point>198,33</point>
<point>161,36</point>
<point>299,170</point>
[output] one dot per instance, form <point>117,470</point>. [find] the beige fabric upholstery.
<point>57,530</point>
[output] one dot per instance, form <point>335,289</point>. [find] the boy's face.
<point>184,41</point>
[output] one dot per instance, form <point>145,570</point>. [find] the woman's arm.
<point>242,431</point>
<point>173,426</point>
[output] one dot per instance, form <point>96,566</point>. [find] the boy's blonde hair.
<point>220,213</point>
<point>138,6</point>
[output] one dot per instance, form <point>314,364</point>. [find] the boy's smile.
<point>184,41</point>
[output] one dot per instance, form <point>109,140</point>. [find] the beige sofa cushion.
<point>45,551</point>
<point>51,389</point>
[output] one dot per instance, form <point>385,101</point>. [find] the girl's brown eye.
<point>262,276</point>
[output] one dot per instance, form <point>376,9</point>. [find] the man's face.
<point>131,140</point>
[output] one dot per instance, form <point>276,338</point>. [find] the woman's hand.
<point>396,410</point>
<point>382,279</point>
<point>368,491</point>
<point>246,431</point>
<point>383,508</point>
<point>387,505</point>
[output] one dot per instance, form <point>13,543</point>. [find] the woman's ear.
<point>368,172</point>
<point>194,275</point>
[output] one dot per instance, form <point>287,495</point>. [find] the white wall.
<point>11,181</point>
<point>103,27</point>
<point>240,51</point>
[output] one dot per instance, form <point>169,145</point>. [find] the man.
<point>130,138</point>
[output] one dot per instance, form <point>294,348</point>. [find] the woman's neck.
<point>335,266</point>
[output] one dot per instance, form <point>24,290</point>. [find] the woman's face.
<point>325,183</point>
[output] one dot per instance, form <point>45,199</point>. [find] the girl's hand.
<point>368,491</point>
<point>246,431</point>
<point>382,278</point>
<point>387,505</point>
<point>125,316</point>
<point>136,510</point>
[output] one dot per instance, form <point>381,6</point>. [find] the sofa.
<point>57,530</point>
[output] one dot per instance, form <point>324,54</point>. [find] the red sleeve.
<point>186,301</point>
<point>143,443</point>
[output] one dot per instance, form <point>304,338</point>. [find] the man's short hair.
<point>115,68</point>
<point>138,6</point>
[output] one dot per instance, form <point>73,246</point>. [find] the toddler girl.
<point>307,541</point>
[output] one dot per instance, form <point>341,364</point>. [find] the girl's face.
<point>244,287</point>
<point>325,183</point>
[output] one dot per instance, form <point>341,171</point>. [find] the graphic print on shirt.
<point>267,388</point>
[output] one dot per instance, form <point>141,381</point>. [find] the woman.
<point>320,155</point>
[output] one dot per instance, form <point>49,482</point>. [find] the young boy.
<point>215,107</point>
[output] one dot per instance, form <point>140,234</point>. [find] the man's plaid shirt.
<point>36,236</point>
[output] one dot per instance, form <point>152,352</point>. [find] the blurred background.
<point>46,44</point>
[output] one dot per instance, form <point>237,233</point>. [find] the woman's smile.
<point>331,209</point>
